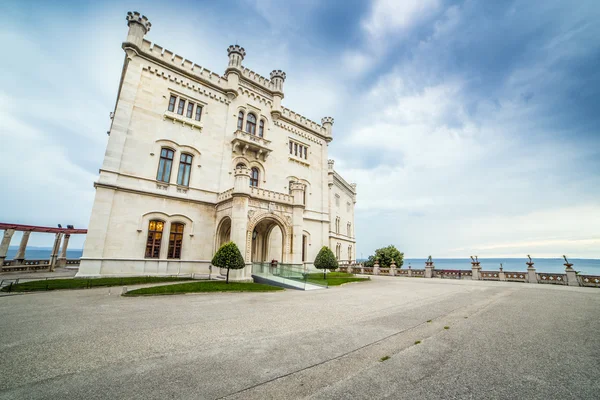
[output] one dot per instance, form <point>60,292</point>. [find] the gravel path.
<point>505,340</point>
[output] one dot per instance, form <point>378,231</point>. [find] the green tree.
<point>385,256</point>
<point>325,260</point>
<point>228,256</point>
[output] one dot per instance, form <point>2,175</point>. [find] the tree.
<point>325,260</point>
<point>385,256</point>
<point>228,256</point>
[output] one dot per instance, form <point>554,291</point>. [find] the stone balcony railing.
<point>244,142</point>
<point>270,195</point>
<point>225,195</point>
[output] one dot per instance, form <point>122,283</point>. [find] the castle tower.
<point>138,27</point>
<point>327,123</point>
<point>277,78</point>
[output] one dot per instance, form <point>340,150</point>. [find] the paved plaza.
<point>504,340</point>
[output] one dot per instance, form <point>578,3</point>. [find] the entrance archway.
<point>223,232</point>
<point>267,241</point>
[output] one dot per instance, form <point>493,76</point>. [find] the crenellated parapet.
<point>236,55</point>
<point>257,79</point>
<point>136,17</point>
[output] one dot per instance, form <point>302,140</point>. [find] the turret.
<point>297,190</point>
<point>236,56</point>
<point>277,78</point>
<point>241,183</point>
<point>138,27</point>
<point>327,123</point>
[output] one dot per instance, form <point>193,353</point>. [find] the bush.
<point>228,256</point>
<point>385,256</point>
<point>325,260</point>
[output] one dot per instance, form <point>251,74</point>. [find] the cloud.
<point>393,17</point>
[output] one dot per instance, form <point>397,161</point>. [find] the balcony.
<point>192,123</point>
<point>244,142</point>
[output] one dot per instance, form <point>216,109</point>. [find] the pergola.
<point>19,261</point>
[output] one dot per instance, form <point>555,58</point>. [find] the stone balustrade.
<point>270,195</point>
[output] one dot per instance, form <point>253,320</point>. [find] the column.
<point>501,275</point>
<point>429,268</point>
<point>20,256</point>
<point>475,268</point>
<point>531,275</point>
<point>376,267</point>
<point>55,249</point>
<point>297,221</point>
<point>239,222</point>
<point>393,268</point>
<point>6,238</point>
<point>62,259</point>
<point>571,273</point>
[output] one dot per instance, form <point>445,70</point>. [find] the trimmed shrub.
<point>228,256</point>
<point>325,260</point>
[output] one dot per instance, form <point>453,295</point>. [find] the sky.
<point>470,127</point>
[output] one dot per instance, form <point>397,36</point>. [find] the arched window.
<point>164,165</point>
<point>155,229</point>
<point>349,253</point>
<point>240,124</point>
<point>254,177</point>
<point>349,228</point>
<point>251,124</point>
<point>261,128</point>
<point>175,240</point>
<point>338,251</point>
<point>240,166</point>
<point>185,167</point>
<point>337,225</point>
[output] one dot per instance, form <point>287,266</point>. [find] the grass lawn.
<point>205,286</point>
<point>333,278</point>
<point>81,283</point>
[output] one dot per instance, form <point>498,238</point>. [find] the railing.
<point>516,276</point>
<point>589,280</point>
<point>288,275</point>
<point>489,275</point>
<point>556,279</point>
<point>225,195</point>
<point>271,195</point>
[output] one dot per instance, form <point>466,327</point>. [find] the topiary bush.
<point>228,256</point>
<point>325,260</point>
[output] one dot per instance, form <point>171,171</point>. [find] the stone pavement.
<point>505,340</point>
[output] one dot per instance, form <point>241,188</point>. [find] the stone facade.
<point>195,159</point>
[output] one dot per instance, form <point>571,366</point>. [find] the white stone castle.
<point>196,159</point>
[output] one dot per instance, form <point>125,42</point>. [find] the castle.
<point>196,159</point>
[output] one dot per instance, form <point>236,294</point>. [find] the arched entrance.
<point>267,242</point>
<point>269,238</point>
<point>223,232</point>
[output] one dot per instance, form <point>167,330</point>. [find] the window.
<point>338,251</point>
<point>181,106</point>
<point>185,167</point>
<point>175,239</point>
<point>240,120</point>
<point>164,165</point>
<point>261,128</point>
<point>190,110</point>
<point>198,112</point>
<point>337,225</point>
<point>296,149</point>
<point>291,148</point>
<point>303,248</point>
<point>305,153</point>
<point>251,124</point>
<point>254,177</point>
<point>349,229</point>
<point>337,200</point>
<point>349,253</point>
<point>155,229</point>
<point>172,101</point>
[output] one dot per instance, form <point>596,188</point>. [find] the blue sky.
<point>470,127</point>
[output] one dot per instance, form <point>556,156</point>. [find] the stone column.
<point>571,273</point>
<point>62,259</point>
<point>297,190</point>
<point>6,238</point>
<point>55,250</point>
<point>475,268</point>
<point>531,275</point>
<point>393,268</point>
<point>239,222</point>
<point>20,256</point>
<point>429,268</point>
<point>501,275</point>
<point>409,270</point>
<point>376,267</point>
